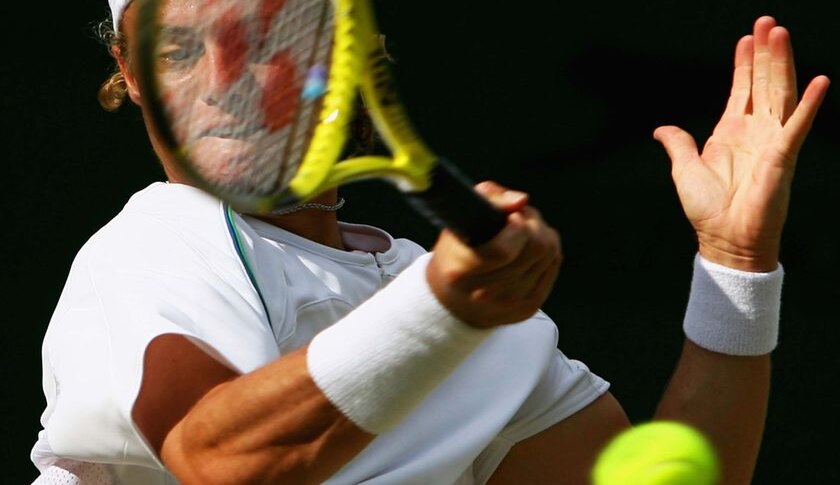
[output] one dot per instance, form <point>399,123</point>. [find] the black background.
<point>554,99</point>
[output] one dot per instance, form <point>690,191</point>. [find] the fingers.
<point>679,145</point>
<point>506,246</point>
<point>799,123</point>
<point>537,281</point>
<point>504,199</point>
<point>500,251</point>
<point>504,280</point>
<point>762,61</point>
<point>527,275</point>
<point>774,74</point>
<point>739,98</point>
<point>508,243</point>
<point>764,81</point>
<point>524,258</point>
<point>782,75</point>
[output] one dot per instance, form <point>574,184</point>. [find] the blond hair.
<point>113,91</point>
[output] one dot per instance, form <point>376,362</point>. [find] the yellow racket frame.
<point>360,65</point>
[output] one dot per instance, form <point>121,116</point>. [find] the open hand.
<point>736,192</point>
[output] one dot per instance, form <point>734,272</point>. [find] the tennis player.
<point>196,345</point>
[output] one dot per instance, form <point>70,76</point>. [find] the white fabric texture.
<point>546,404</point>
<point>168,264</point>
<point>68,472</point>
<point>380,361</point>
<point>117,8</point>
<point>733,312</point>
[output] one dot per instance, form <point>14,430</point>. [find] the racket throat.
<point>452,202</point>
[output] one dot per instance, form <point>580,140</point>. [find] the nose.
<point>226,58</point>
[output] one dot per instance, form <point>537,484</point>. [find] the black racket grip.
<point>452,202</point>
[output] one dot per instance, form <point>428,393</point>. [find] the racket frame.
<point>359,67</point>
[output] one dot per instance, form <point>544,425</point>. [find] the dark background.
<point>554,99</point>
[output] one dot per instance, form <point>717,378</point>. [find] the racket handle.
<point>452,202</point>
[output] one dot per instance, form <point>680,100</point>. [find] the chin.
<point>236,165</point>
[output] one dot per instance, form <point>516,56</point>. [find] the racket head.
<point>250,99</point>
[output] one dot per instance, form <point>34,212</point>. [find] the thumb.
<point>502,198</point>
<point>679,145</point>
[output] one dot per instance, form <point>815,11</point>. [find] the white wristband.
<point>733,312</point>
<point>381,360</point>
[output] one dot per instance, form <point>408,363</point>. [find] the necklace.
<point>310,205</point>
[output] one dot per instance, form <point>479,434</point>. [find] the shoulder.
<point>166,256</point>
<point>163,225</point>
<point>164,264</point>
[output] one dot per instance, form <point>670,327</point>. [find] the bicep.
<point>206,420</point>
<point>564,453</point>
<point>176,374</point>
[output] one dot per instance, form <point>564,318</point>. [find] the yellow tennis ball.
<point>657,453</point>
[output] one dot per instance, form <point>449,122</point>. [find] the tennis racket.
<point>253,99</point>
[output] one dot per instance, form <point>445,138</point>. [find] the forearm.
<point>273,425</point>
<point>721,383</point>
<point>736,193</point>
<point>726,397</point>
<point>300,418</point>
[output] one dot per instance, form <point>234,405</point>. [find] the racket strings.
<point>243,109</point>
<point>314,88</point>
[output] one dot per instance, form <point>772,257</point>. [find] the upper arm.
<point>176,374</point>
<point>564,453</point>
<point>209,423</point>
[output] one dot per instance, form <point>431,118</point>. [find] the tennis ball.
<point>657,453</point>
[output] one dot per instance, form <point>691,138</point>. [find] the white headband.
<point>117,8</point>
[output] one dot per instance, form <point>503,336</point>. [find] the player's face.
<point>230,82</point>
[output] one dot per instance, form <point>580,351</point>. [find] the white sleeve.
<point>106,318</point>
<point>67,472</point>
<point>566,387</point>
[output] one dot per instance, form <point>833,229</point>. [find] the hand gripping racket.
<point>253,98</point>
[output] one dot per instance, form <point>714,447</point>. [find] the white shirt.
<point>176,260</point>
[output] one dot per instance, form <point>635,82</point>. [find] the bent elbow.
<point>194,461</point>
